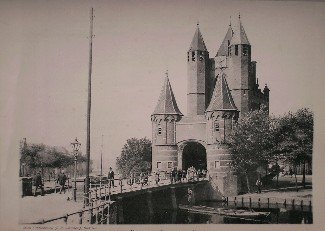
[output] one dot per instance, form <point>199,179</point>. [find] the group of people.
<point>195,174</point>
<point>191,174</point>
<point>177,175</point>
<point>38,182</point>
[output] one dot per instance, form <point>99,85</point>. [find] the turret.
<point>164,118</point>
<point>266,91</point>
<point>221,113</point>
<point>197,75</point>
<point>239,63</point>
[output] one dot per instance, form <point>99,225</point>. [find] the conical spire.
<point>197,41</point>
<point>240,36</point>
<point>166,102</point>
<point>223,49</point>
<point>221,99</point>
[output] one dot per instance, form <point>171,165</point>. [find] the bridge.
<point>114,205</point>
<point>106,203</point>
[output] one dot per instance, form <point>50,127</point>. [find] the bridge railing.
<point>99,197</point>
<point>102,190</point>
<point>94,214</point>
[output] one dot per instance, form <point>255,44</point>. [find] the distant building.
<point>219,90</point>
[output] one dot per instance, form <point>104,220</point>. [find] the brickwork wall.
<point>186,131</point>
<point>167,156</point>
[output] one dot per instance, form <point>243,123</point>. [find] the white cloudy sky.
<point>44,62</point>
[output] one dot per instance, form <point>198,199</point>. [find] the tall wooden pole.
<point>89,105</point>
<point>101,162</point>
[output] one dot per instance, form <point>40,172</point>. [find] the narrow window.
<point>216,126</point>
<point>229,51</point>
<point>159,130</point>
<point>188,57</point>
<point>236,49</point>
<point>245,50</point>
<point>158,165</point>
<point>193,55</point>
<point>201,55</point>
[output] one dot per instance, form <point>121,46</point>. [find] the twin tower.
<point>219,90</point>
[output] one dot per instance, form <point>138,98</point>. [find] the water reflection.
<point>277,216</point>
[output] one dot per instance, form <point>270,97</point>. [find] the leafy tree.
<point>296,138</point>
<point>252,142</point>
<point>41,155</point>
<point>135,157</point>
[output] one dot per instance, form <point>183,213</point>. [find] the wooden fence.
<point>269,202</point>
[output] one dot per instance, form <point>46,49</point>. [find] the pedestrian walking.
<point>38,183</point>
<point>130,180</point>
<point>62,178</point>
<point>111,177</point>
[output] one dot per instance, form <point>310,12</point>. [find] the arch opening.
<point>194,154</point>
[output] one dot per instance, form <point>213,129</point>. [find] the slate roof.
<point>166,102</point>
<point>239,36</point>
<point>221,99</point>
<point>198,42</point>
<point>223,49</point>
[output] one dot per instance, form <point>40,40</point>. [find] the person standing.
<point>259,185</point>
<point>157,177</point>
<point>174,175</point>
<point>38,183</point>
<point>190,198</point>
<point>62,178</point>
<point>111,177</point>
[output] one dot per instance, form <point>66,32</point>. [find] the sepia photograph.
<point>181,115</point>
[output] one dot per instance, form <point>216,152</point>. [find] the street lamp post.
<point>75,146</point>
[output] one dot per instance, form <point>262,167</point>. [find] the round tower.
<point>221,116</point>
<point>164,118</point>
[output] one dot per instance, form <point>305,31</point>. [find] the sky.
<point>45,51</point>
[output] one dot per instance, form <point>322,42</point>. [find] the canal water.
<point>277,216</point>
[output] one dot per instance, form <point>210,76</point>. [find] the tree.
<point>135,157</point>
<point>252,142</point>
<point>296,135</point>
<point>41,155</point>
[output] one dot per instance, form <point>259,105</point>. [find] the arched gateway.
<point>198,139</point>
<point>192,153</point>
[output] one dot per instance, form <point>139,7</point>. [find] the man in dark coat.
<point>62,178</point>
<point>111,177</point>
<point>259,185</point>
<point>38,183</point>
<point>174,175</point>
